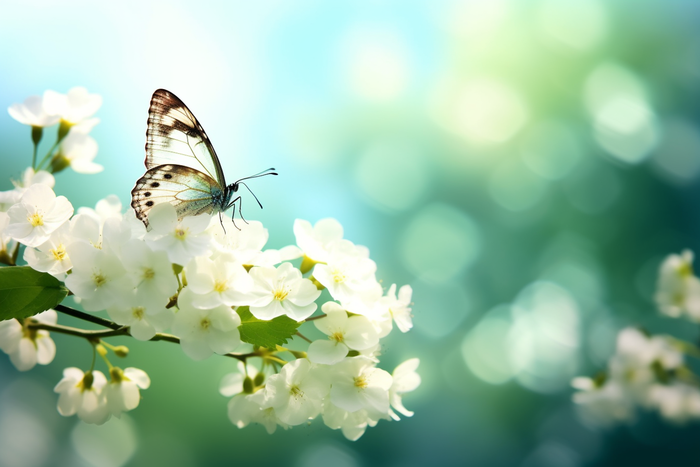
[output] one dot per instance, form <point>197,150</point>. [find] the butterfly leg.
<point>221,221</point>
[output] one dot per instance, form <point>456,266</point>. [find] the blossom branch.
<point>87,317</point>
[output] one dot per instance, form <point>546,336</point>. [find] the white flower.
<point>677,402</point>
<point>602,405</point>
<point>52,256</point>
<point>122,392</point>
<point>33,112</point>
<point>29,178</point>
<point>399,308</point>
<point>315,241</point>
<point>105,208</point>
<point>78,150</point>
<point>27,347</point>
<point>183,240</point>
<point>358,384</point>
<point>245,245</point>
<point>296,392</point>
<point>7,245</point>
<point>348,272</point>
<point>352,424</point>
<point>83,393</point>
<point>144,322</point>
<point>150,272</point>
<point>343,333</point>
<point>678,290</point>
<point>405,379</point>
<point>98,277</point>
<point>282,291</point>
<point>244,409</point>
<point>220,281</point>
<point>74,107</point>
<point>37,215</point>
<point>203,332</point>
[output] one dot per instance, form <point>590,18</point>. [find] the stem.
<point>303,337</point>
<point>87,317</point>
<point>313,318</point>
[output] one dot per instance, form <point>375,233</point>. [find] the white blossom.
<point>78,150</point>
<point>602,405</point>
<point>344,333</point>
<point>183,240</point>
<point>352,424</point>
<point>27,347</point>
<point>281,291</point>
<point>37,214</point>
<point>73,107</point>
<point>98,277</point>
<point>244,409</point>
<point>205,331</point>
<point>144,322</point>
<point>52,256</point>
<point>122,392</point>
<point>83,393</point>
<point>677,402</point>
<point>358,384</point>
<point>348,271</point>
<point>218,281</point>
<point>33,112</point>
<point>151,274</point>
<point>315,241</point>
<point>296,392</point>
<point>678,290</point>
<point>404,379</point>
<point>232,383</point>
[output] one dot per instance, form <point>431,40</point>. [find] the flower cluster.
<point>217,289</point>
<point>650,371</point>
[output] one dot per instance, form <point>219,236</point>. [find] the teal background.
<point>476,147</point>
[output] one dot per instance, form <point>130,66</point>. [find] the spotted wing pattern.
<point>174,136</point>
<point>190,191</point>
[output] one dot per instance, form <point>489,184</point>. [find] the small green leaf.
<point>25,292</point>
<point>268,334</point>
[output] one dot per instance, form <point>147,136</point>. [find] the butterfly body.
<point>182,166</point>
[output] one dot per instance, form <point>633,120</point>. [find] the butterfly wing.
<point>190,191</point>
<point>175,137</point>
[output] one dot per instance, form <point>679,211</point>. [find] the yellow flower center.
<point>99,279</point>
<point>181,233</point>
<point>137,311</point>
<point>280,294</point>
<point>220,286</point>
<point>337,337</point>
<point>338,276</point>
<point>148,273</point>
<point>59,252</point>
<point>205,323</point>
<point>685,269</point>
<point>296,392</point>
<point>36,219</point>
<point>360,381</point>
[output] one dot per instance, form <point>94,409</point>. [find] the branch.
<point>87,317</point>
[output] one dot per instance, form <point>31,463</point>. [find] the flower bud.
<point>121,351</point>
<point>116,374</point>
<point>87,380</point>
<point>259,379</point>
<point>248,385</point>
<point>101,350</point>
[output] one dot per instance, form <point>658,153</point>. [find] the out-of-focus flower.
<point>122,392</point>
<point>182,240</point>
<point>37,215</point>
<point>83,393</point>
<point>352,424</point>
<point>244,409</point>
<point>602,405</point>
<point>281,291</point>
<point>678,290</point>
<point>29,177</point>
<point>73,107</point>
<point>677,402</point>
<point>205,331</point>
<point>344,333</point>
<point>27,347</point>
<point>33,112</point>
<point>233,383</point>
<point>78,151</point>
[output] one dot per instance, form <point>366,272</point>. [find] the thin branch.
<point>313,318</point>
<point>303,337</point>
<point>87,317</point>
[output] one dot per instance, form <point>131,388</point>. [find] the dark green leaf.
<point>25,292</point>
<point>265,333</point>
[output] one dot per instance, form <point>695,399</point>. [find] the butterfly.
<point>182,166</point>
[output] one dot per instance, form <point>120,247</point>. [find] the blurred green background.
<point>523,165</point>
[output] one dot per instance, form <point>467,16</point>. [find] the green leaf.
<point>25,292</point>
<point>265,333</point>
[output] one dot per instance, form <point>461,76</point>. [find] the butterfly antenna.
<point>251,192</point>
<point>270,171</point>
